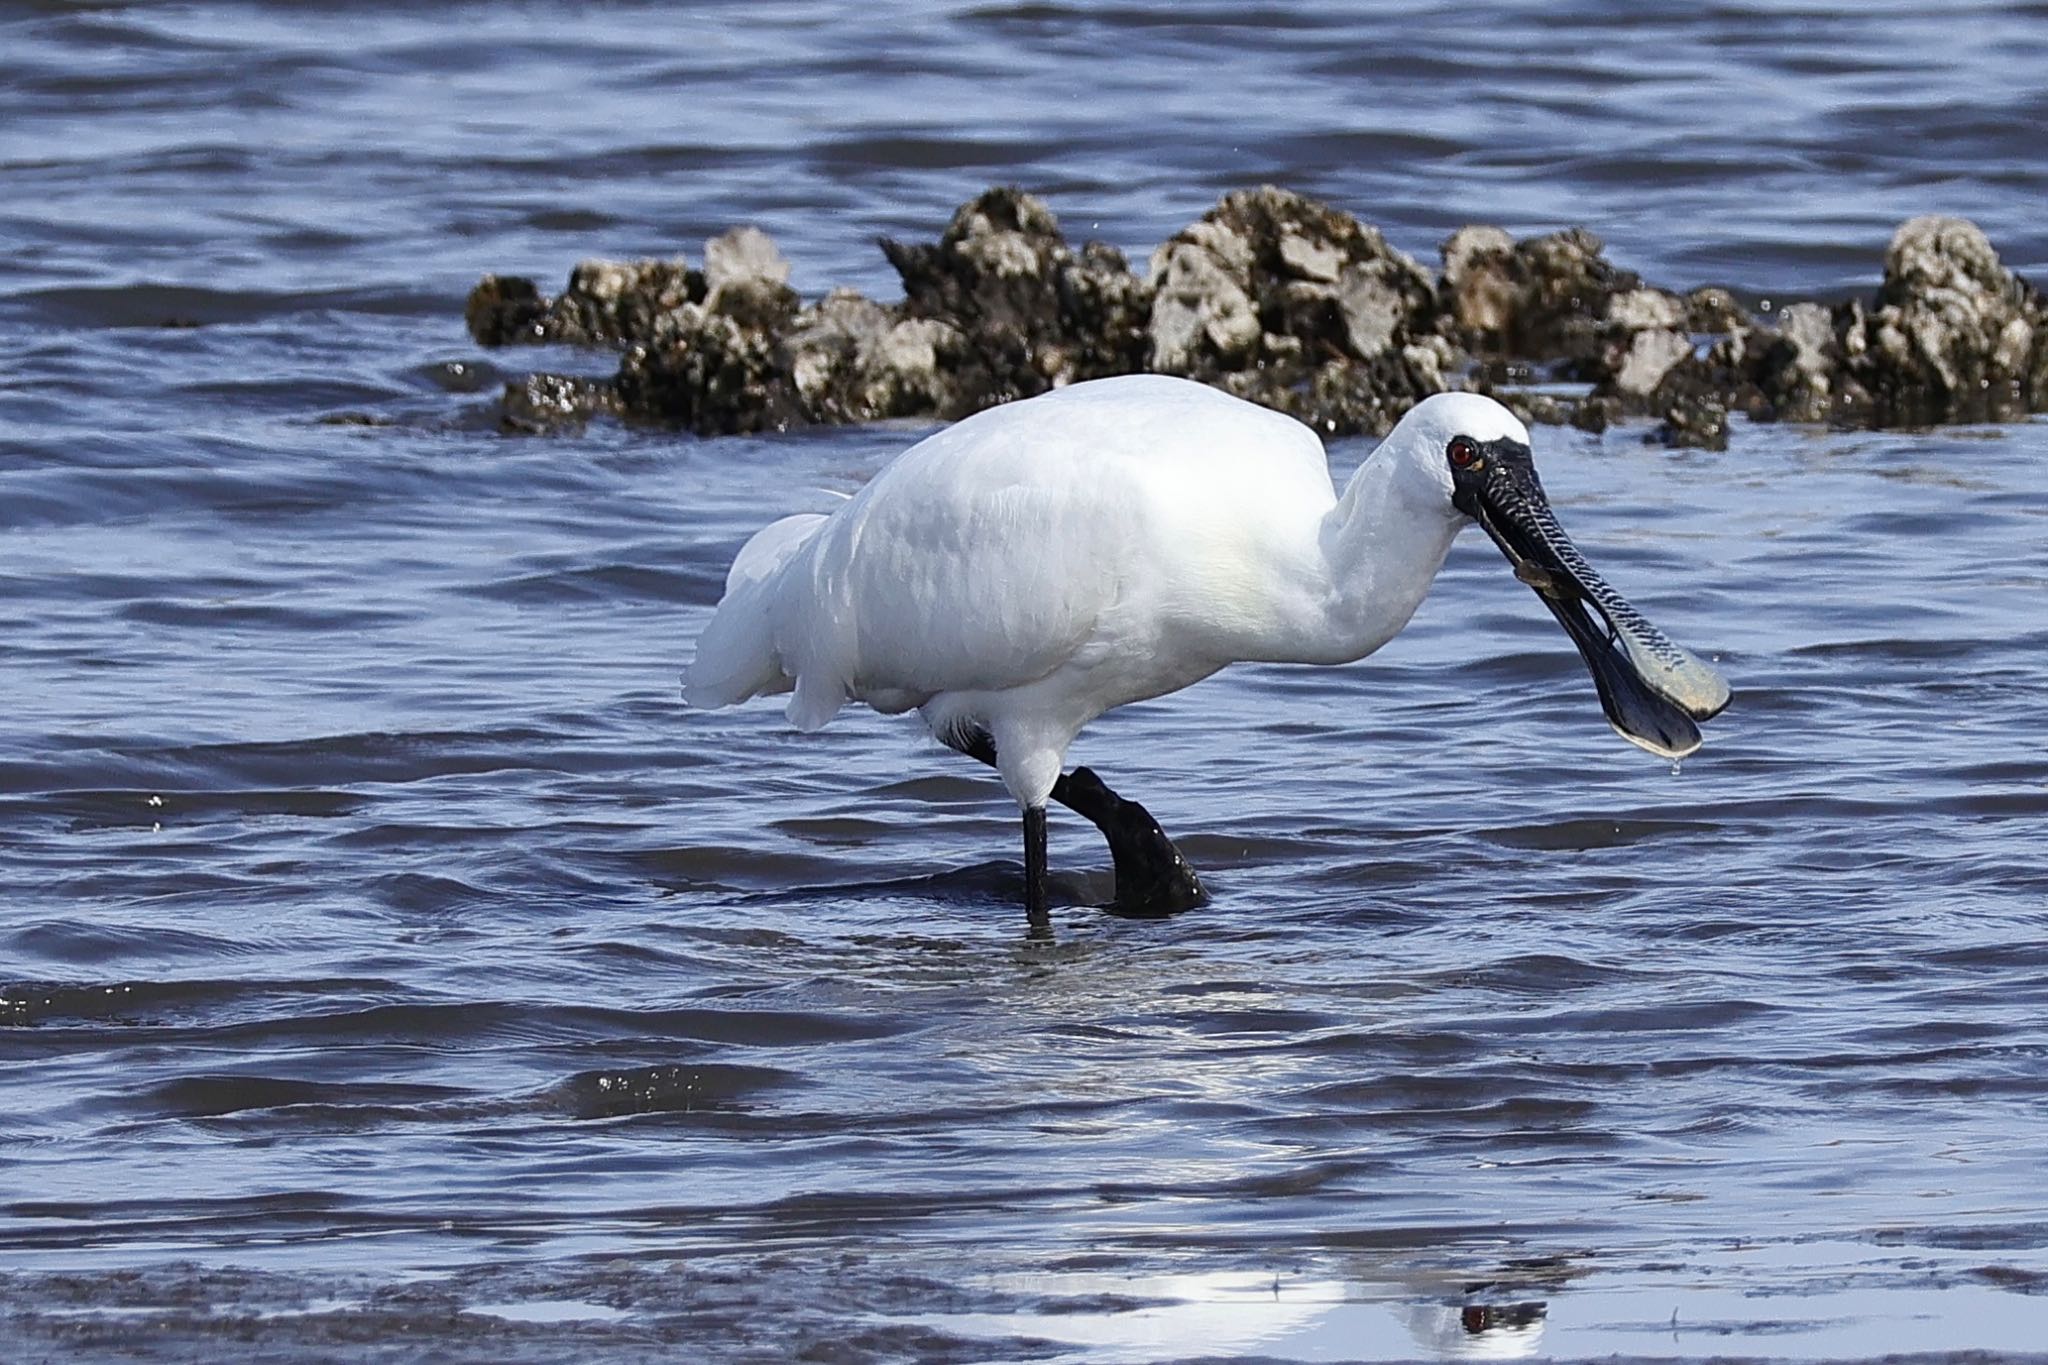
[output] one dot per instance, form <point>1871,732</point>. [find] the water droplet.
<point>1674,767</point>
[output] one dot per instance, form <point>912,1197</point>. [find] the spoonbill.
<point>1019,573</point>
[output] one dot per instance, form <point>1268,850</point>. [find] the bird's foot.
<point>1168,892</point>
<point>1152,878</point>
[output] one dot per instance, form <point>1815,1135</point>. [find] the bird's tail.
<point>736,654</point>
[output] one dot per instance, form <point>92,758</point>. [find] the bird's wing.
<point>959,570</point>
<point>987,556</point>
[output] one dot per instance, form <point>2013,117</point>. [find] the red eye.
<point>1463,452</point>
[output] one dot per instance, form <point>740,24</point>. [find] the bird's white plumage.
<point>1035,565</point>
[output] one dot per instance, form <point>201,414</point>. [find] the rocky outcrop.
<point>1298,306</point>
<point>1023,310</point>
<point>1282,300</point>
<point>1954,335</point>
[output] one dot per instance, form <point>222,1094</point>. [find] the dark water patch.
<point>1897,650</point>
<point>947,789</point>
<point>703,868</point>
<point>155,1003</point>
<point>168,305</point>
<point>1584,834</point>
<point>609,584</point>
<point>452,1026</point>
<point>1239,1023</point>
<point>369,757</point>
<point>1542,974</point>
<point>696,1088</point>
<point>830,830</point>
<point>254,616</point>
<point>193,1097</point>
<point>1989,1236</point>
<point>413,894</point>
<point>953,153</point>
<point>85,810</point>
<point>85,944</point>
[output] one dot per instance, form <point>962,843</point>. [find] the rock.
<point>542,403</point>
<point>1955,336</point>
<point>1031,313</point>
<point>1202,317</point>
<point>1569,285</point>
<point>712,373</point>
<point>1284,301</point>
<point>619,302</point>
<point>606,303</point>
<point>1269,263</point>
<point>1482,286</point>
<point>1298,306</point>
<point>1341,397</point>
<point>756,305</point>
<point>503,309</point>
<point>1536,409</point>
<point>1700,423</point>
<point>1713,309</point>
<point>747,280</point>
<point>1795,369</point>
<point>741,253</point>
<point>1642,310</point>
<point>1106,308</point>
<point>1596,412</point>
<point>852,360</point>
<point>1546,299</point>
<point>1640,365</point>
<point>1719,376</point>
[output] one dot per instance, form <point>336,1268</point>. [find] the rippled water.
<point>381,939</point>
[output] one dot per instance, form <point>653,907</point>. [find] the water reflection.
<point>1210,1313</point>
<point>1475,1331</point>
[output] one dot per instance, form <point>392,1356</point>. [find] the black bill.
<point>1653,691</point>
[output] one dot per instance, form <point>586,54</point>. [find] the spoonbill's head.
<point>1653,690</point>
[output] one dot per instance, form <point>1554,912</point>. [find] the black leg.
<point>1034,867</point>
<point>1152,878</point>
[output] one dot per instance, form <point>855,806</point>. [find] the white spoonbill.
<point>1018,574</point>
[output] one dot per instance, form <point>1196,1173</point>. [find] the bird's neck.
<point>1382,545</point>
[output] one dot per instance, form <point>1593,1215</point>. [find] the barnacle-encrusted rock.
<point>1955,336</point>
<point>1639,364</point>
<point>620,301</point>
<point>1284,301</point>
<point>1645,310</point>
<point>552,402</point>
<point>1029,312</point>
<point>1268,276</point>
<point>1544,299</point>
<point>852,360</point>
<point>1702,425</point>
<point>505,308</point>
<point>1795,369</point>
<point>709,372</point>
<point>1711,308</point>
<point>1482,287</point>
<point>1298,306</point>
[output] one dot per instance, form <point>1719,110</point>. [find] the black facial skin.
<point>1652,691</point>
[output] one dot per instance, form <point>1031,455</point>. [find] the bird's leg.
<point>1152,878</point>
<point>1034,868</point>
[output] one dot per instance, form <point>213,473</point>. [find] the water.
<point>387,955</point>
